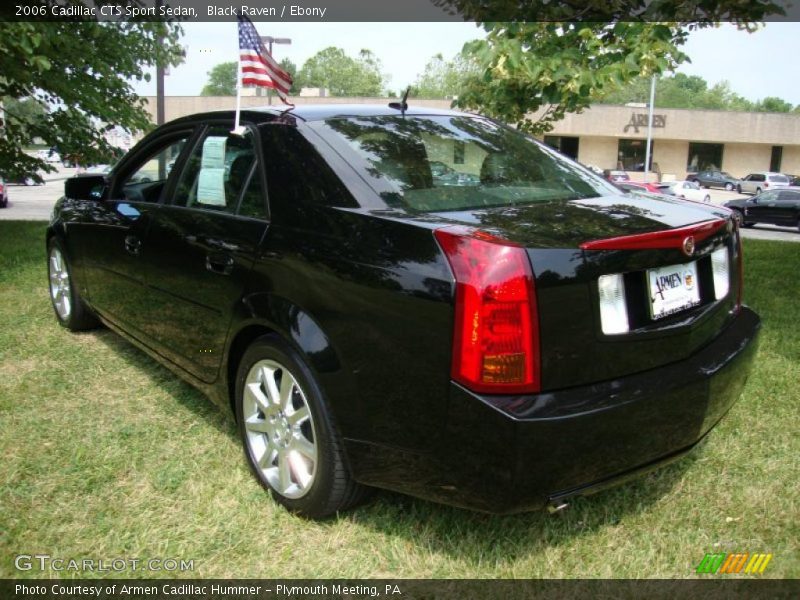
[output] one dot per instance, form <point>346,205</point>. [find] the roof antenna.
<point>403,105</point>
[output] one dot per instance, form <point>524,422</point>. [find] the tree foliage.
<point>81,72</point>
<point>691,91</point>
<point>444,78</point>
<point>557,55</point>
<point>221,80</point>
<point>343,75</point>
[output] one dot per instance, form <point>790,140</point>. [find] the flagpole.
<point>236,128</point>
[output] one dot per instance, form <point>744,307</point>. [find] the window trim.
<point>147,145</point>
<point>257,151</point>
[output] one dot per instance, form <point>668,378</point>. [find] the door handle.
<point>133,245</point>
<point>222,264</point>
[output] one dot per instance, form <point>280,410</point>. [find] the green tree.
<point>547,62</point>
<point>444,79</point>
<point>773,104</point>
<point>343,75</point>
<point>221,80</point>
<point>25,114</point>
<point>82,71</point>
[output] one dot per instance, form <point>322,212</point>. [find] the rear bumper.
<point>534,449</point>
<point>510,454</point>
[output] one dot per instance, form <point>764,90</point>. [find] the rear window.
<point>434,164</point>
<point>778,179</point>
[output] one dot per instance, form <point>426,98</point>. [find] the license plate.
<point>673,289</point>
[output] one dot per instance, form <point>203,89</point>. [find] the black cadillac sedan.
<point>776,207</point>
<point>502,344</point>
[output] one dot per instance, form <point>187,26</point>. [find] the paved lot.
<point>36,203</point>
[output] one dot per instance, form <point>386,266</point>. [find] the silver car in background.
<point>755,183</point>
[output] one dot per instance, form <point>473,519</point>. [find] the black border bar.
<point>332,11</point>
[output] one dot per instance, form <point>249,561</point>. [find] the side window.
<point>145,181</point>
<point>298,178</point>
<point>221,175</point>
<point>768,197</point>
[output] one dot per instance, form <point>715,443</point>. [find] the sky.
<point>757,65</point>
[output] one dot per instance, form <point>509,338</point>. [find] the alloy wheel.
<point>60,291</point>
<point>279,429</point>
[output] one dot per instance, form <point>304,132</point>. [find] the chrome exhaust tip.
<point>558,506</point>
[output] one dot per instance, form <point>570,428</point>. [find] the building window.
<point>631,155</point>
<point>567,145</point>
<point>704,157</point>
<point>776,158</point>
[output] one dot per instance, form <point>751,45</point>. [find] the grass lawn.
<point>106,454</point>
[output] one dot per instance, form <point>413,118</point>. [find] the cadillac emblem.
<point>688,246</point>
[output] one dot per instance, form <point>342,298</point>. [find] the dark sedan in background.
<point>776,207</point>
<point>500,341</point>
<point>717,179</point>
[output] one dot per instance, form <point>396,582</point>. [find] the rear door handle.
<point>222,264</point>
<point>133,245</point>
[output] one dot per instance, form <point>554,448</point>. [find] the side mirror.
<point>86,187</point>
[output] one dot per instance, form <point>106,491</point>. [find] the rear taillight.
<point>496,334</point>
<point>766,184</point>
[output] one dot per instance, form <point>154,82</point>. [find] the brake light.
<point>496,333</point>
<point>766,184</point>
<point>667,238</point>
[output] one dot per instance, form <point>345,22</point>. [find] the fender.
<point>261,313</point>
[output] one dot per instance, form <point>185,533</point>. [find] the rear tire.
<point>758,191</point>
<point>738,217</point>
<point>68,305</point>
<point>729,187</point>
<point>739,189</point>
<point>289,438</point>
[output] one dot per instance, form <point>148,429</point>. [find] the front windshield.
<point>433,164</point>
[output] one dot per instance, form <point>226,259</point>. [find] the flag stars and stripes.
<point>257,65</point>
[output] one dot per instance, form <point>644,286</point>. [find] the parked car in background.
<point>716,179</point>
<point>689,190</point>
<point>794,180</point>
<point>653,188</point>
<point>777,207</point>
<point>755,183</point>
<point>3,194</point>
<point>501,346</point>
<point>613,175</point>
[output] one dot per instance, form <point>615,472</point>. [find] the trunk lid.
<point>574,349</point>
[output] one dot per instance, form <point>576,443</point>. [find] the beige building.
<point>611,137</point>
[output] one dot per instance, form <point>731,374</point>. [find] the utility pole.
<point>647,156</point>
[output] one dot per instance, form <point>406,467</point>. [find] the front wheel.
<point>758,191</point>
<point>289,437</point>
<point>739,189</point>
<point>707,199</point>
<point>70,310</point>
<point>737,216</point>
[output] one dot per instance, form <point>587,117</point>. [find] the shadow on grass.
<point>185,394</point>
<point>478,537</point>
<point>462,534</point>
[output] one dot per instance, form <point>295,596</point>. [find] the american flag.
<point>257,65</point>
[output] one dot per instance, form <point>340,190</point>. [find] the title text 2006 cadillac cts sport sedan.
<point>502,339</point>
